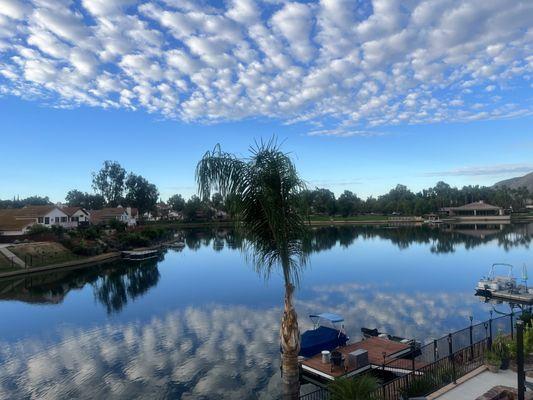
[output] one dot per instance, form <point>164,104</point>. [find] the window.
<point>41,220</point>
<point>47,220</point>
<point>63,219</point>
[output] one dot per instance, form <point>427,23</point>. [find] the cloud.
<point>357,64</point>
<point>343,132</point>
<point>490,170</point>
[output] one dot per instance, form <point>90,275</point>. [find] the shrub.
<point>492,358</point>
<point>117,225</point>
<point>360,388</point>
<point>421,386</point>
<point>37,229</point>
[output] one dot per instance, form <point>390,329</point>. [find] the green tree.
<point>176,202</point>
<point>140,193</point>
<point>109,182</point>
<point>348,203</point>
<point>77,198</point>
<point>323,201</point>
<point>266,186</point>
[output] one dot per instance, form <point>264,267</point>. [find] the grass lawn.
<point>355,218</point>
<point>41,254</point>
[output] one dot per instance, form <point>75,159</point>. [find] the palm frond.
<point>265,188</point>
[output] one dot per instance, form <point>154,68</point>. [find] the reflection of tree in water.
<point>440,239</point>
<point>113,284</point>
<point>115,288</point>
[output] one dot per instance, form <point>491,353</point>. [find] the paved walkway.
<point>480,384</point>
<point>4,250</point>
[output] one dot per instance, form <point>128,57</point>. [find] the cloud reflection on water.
<point>223,352</point>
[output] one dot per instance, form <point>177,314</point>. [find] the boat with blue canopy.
<point>323,337</point>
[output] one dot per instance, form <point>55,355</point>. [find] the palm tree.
<point>263,190</point>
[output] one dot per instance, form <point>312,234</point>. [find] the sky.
<point>364,95</point>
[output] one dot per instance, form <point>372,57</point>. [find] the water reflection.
<point>443,239</point>
<point>113,285</point>
<point>213,349</point>
<point>215,352</point>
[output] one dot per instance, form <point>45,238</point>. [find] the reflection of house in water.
<point>478,211</point>
<point>479,230</point>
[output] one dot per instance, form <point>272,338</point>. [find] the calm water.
<point>201,323</point>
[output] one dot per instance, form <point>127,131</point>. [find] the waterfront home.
<point>77,216</point>
<point>10,225</point>
<point>477,211</point>
<point>126,215</point>
<point>17,221</point>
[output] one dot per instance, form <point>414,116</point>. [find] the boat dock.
<point>139,255</point>
<point>518,298</point>
<point>381,354</point>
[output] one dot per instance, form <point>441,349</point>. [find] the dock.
<point>139,255</point>
<point>518,298</point>
<point>383,354</point>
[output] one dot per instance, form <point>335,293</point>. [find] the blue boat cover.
<point>329,316</point>
<point>322,338</point>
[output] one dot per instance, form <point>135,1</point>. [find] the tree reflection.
<point>116,288</point>
<point>114,285</point>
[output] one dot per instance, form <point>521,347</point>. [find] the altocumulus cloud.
<point>361,64</point>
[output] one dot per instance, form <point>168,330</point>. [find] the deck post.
<point>520,359</point>
<point>490,331</point>
<point>471,338</point>
<point>450,349</point>
<point>512,326</point>
<point>435,350</point>
<point>413,356</point>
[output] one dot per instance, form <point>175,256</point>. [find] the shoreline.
<point>112,256</point>
<point>99,259</point>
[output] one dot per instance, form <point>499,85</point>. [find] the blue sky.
<point>365,94</point>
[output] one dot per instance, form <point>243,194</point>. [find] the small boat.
<point>177,245</point>
<point>323,337</point>
<point>493,283</point>
<point>139,255</point>
<point>505,287</point>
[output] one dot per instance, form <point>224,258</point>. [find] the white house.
<point>126,215</point>
<point>76,215</point>
<point>18,221</point>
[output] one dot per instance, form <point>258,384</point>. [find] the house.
<point>77,216</point>
<point>477,211</point>
<point>126,215</point>
<point>13,226</point>
<point>17,221</point>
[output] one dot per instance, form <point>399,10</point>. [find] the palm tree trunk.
<point>290,344</point>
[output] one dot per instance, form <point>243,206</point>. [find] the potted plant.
<point>493,361</point>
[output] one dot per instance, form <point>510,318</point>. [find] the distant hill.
<point>514,183</point>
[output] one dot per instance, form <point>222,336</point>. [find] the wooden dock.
<point>376,347</point>
<point>519,298</point>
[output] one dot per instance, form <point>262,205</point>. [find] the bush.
<point>360,388</point>
<point>37,229</point>
<point>117,225</point>
<point>492,358</point>
<point>421,386</point>
<point>133,239</point>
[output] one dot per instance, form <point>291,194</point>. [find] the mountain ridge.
<point>519,181</point>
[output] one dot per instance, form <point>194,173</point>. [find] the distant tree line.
<point>113,186</point>
<point>401,200</point>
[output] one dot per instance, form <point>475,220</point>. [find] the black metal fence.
<point>440,362</point>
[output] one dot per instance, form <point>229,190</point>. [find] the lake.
<point>201,323</point>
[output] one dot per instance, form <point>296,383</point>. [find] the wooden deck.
<point>375,346</point>
<point>524,298</point>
